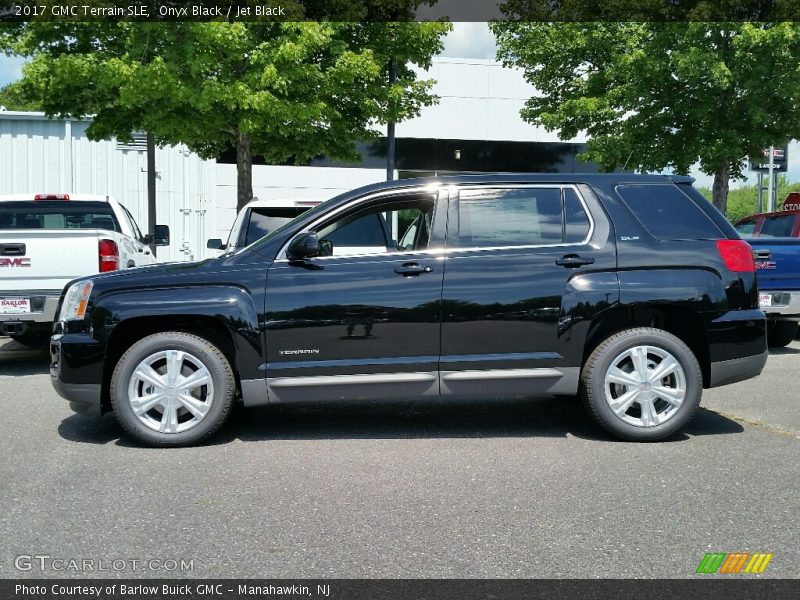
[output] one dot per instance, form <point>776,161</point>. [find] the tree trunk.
<point>719,192</point>
<point>244,172</point>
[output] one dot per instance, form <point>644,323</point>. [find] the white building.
<point>475,127</point>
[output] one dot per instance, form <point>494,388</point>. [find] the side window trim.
<point>455,201</point>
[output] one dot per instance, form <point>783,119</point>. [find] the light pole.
<point>771,183</point>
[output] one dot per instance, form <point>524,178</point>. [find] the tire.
<point>37,340</point>
<point>601,386</point>
<point>172,417</point>
<point>781,333</point>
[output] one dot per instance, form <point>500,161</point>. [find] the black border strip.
<point>736,587</point>
<point>397,10</point>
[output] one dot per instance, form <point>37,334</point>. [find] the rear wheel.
<point>780,333</point>
<point>172,389</point>
<point>642,384</point>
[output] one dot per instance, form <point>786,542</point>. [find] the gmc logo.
<point>15,262</point>
<point>765,265</point>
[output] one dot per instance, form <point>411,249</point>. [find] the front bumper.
<point>84,398</point>
<point>784,304</point>
<point>75,372</point>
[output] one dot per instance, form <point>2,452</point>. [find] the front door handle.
<point>412,268</point>
<point>573,261</point>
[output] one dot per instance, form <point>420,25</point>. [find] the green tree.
<point>658,95</point>
<point>743,201</point>
<point>282,90</point>
<point>12,97</point>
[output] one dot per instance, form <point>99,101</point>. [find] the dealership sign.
<point>780,160</point>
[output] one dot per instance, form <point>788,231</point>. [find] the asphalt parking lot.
<point>414,490</point>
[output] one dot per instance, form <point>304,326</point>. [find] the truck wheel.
<point>642,384</point>
<point>172,389</point>
<point>36,340</point>
<point>780,333</point>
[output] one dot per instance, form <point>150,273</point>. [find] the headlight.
<point>76,301</point>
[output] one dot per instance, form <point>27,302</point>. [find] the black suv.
<point>630,290</point>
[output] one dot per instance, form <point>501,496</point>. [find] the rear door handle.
<point>573,261</point>
<point>410,269</point>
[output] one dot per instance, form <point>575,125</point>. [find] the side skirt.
<point>390,386</point>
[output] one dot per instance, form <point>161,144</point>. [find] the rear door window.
<point>524,216</point>
<point>667,213</point>
<point>576,221</point>
<point>509,217</point>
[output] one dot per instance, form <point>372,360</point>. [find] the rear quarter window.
<point>667,213</point>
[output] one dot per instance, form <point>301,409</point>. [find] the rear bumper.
<point>785,304</point>
<point>737,345</point>
<point>43,308</point>
<point>737,369</point>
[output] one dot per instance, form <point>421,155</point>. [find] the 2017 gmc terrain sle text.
<point>630,290</point>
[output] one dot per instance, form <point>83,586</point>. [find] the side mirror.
<point>304,245</point>
<point>215,244</point>
<point>162,235</point>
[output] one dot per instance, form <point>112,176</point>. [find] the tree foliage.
<point>659,95</point>
<point>282,90</point>
<point>12,97</point>
<point>743,201</point>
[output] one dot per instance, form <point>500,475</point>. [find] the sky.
<point>10,69</point>
<point>467,40</point>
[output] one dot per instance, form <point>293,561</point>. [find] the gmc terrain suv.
<point>630,290</point>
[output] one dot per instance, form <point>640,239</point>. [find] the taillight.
<point>38,197</point>
<point>737,255</point>
<point>108,253</point>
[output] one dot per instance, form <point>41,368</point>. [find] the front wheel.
<point>172,389</point>
<point>642,384</point>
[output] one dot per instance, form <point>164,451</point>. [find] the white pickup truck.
<point>47,240</point>
<point>259,218</point>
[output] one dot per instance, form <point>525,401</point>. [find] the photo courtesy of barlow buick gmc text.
<point>399,299</point>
